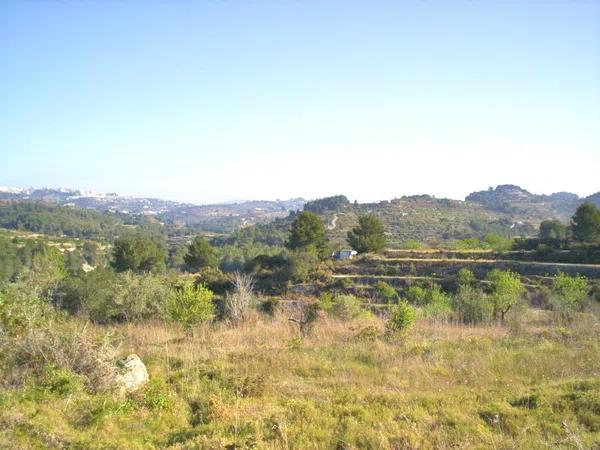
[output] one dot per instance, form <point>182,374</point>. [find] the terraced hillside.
<point>427,219</point>
<point>402,268</point>
<point>506,210</point>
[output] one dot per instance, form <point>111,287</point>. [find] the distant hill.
<point>594,198</point>
<point>511,199</point>
<point>226,218</point>
<point>219,218</point>
<point>431,220</point>
<point>507,210</point>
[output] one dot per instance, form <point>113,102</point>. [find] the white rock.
<point>132,373</point>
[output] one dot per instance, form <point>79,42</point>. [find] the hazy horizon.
<point>209,102</point>
<point>242,200</point>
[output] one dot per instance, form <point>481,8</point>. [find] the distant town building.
<point>344,254</point>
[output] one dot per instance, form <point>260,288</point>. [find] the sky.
<point>208,101</point>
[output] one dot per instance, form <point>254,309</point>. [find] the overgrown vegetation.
<point>252,345</point>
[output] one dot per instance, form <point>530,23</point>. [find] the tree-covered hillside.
<point>57,220</point>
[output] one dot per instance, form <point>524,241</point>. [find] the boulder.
<point>132,373</point>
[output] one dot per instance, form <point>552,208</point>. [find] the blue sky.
<point>215,100</point>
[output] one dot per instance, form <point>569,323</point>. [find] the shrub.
<point>346,306</point>
<point>467,244</point>
<point>326,301</point>
<point>471,306</point>
<point>417,295</point>
<point>568,294</point>
<point>237,303</point>
<point>108,297</point>
<point>60,381</point>
<point>200,254</point>
<point>507,290</point>
<point>306,316</point>
<point>300,266</point>
<point>138,253</point>
<point>35,339</point>
<point>435,302</point>
<point>214,279</point>
<point>572,292</point>
<point>439,306</point>
<point>498,243</point>
<point>411,245</point>
<point>386,292</point>
<point>465,277</point>
<point>269,306</point>
<point>190,305</point>
<point>402,317</point>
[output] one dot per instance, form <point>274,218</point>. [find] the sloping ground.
<point>434,221</point>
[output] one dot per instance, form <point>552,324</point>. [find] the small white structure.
<point>344,254</point>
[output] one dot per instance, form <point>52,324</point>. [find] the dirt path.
<point>333,223</point>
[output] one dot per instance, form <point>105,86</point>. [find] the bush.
<point>417,295</point>
<point>139,253</point>
<point>568,295</point>
<point>439,305</point>
<point>411,245</point>
<point>498,243</point>
<point>467,244</point>
<point>35,339</point>
<point>108,297</point>
<point>386,292</point>
<point>214,279</point>
<point>269,306</point>
<point>402,317</point>
<point>507,290</point>
<point>326,301</point>
<point>190,305</point>
<point>571,292</point>
<point>471,306</point>
<point>306,315</point>
<point>237,303</point>
<point>200,254</point>
<point>346,306</point>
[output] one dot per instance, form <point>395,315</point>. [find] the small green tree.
<point>571,292</point>
<point>346,306</point>
<point>552,231</point>
<point>299,266</point>
<point>308,234</point>
<point>402,317</point>
<point>190,305</point>
<point>417,295</point>
<point>368,236</point>
<point>498,243</point>
<point>439,306</point>
<point>472,306</point>
<point>200,254</point>
<point>465,277</point>
<point>138,253</point>
<point>507,289</point>
<point>386,292</point>
<point>585,224</point>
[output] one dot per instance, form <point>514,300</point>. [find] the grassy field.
<point>528,384</point>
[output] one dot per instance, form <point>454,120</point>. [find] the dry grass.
<point>261,385</point>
